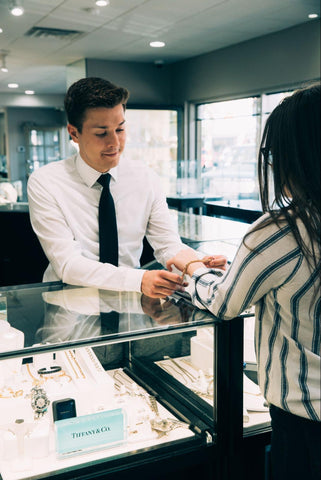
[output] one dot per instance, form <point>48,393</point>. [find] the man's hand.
<point>160,283</point>
<point>164,312</point>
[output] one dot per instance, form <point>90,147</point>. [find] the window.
<point>152,136</point>
<point>44,145</point>
<point>228,139</point>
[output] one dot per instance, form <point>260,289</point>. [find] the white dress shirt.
<point>63,202</point>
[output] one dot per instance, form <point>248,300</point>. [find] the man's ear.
<point>73,132</point>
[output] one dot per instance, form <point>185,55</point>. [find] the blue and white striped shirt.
<point>274,277</point>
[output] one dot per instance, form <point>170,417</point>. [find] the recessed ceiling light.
<point>16,8</point>
<point>29,92</point>
<point>157,44</point>
<point>102,3</point>
<point>4,70</point>
<point>1,30</point>
<point>13,85</point>
<point>313,15</point>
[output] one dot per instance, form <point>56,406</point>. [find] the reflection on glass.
<point>78,313</point>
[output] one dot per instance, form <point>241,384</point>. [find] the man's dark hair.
<point>92,92</point>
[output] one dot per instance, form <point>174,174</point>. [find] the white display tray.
<point>96,392</point>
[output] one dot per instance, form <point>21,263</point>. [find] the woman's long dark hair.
<point>290,153</point>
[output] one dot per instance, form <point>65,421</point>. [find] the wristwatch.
<point>39,401</point>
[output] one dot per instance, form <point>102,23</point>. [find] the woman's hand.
<point>183,257</point>
<point>215,261</point>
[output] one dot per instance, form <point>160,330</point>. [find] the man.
<point>64,201</point>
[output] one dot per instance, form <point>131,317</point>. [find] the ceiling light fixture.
<point>3,55</point>
<point>16,8</point>
<point>1,30</point>
<point>157,44</point>
<point>29,92</point>
<point>102,3</point>
<point>13,85</point>
<point>313,15</point>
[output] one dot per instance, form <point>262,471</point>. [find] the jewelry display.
<point>18,430</point>
<point>198,384</point>
<point>56,374</point>
<point>203,384</point>
<point>62,377</point>
<point>7,392</point>
<point>147,420</point>
<point>161,425</point>
<point>37,441</point>
<point>39,401</point>
<point>97,366</point>
<point>124,384</point>
<point>50,370</point>
<point>35,381</point>
<point>74,364</point>
<point>44,358</point>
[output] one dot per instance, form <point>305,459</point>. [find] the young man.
<point>64,201</point>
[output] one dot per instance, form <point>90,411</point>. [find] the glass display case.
<point>98,384</point>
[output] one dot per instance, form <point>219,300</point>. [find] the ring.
<point>45,371</point>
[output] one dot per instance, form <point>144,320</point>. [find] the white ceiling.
<point>123,30</point>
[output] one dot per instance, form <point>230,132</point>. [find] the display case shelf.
<point>59,328</point>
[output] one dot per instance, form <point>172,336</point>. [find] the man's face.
<point>102,138</point>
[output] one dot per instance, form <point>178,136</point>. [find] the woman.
<point>277,269</point>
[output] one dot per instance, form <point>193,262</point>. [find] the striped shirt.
<point>276,279</point>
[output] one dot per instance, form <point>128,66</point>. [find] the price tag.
<point>90,432</point>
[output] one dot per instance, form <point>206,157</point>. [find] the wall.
<point>22,100</point>
<point>148,84</point>
<point>266,63</point>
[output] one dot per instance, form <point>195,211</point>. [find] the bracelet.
<point>45,371</point>
<point>184,272</point>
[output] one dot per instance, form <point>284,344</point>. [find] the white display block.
<point>202,347</point>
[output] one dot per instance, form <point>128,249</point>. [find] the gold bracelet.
<point>184,272</point>
<point>56,377</point>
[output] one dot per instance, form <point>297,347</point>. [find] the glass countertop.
<point>53,316</point>
<point>192,227</point>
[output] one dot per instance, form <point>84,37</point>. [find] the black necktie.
<point>108,238</point>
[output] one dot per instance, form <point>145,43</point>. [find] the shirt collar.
<point>89,174</point>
